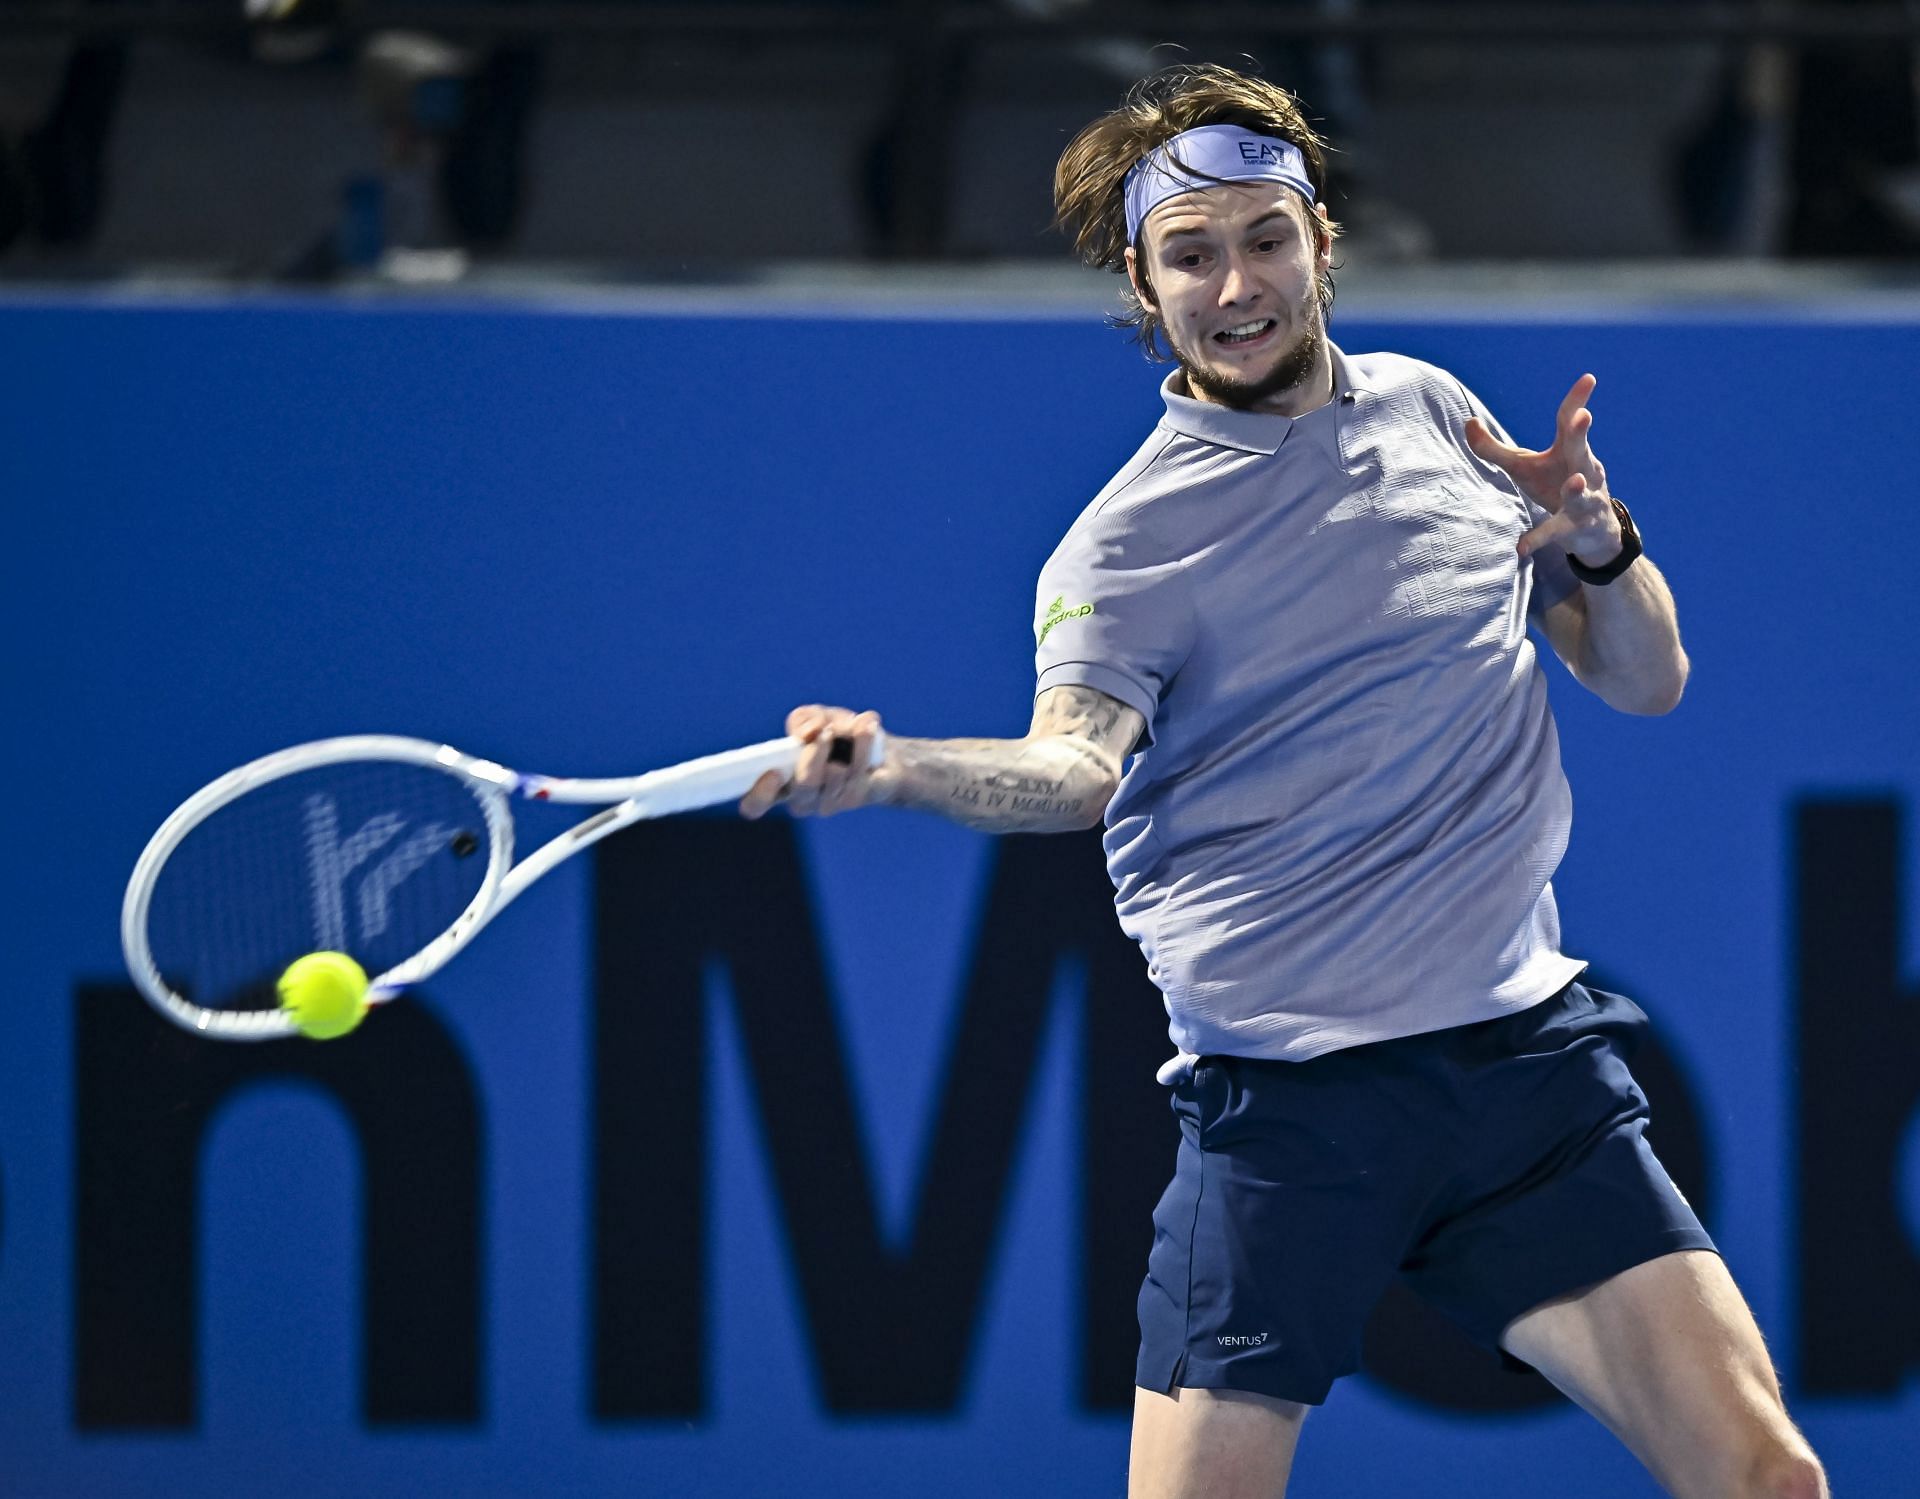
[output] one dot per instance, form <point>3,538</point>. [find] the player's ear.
<point>1136,274</point>
<point>1323,232</point>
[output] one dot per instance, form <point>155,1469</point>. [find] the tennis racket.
<point>395,851</point>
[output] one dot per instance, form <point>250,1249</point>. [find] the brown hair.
<point>1088,202</point>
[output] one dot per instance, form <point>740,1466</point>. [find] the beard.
<point>1290,370</point>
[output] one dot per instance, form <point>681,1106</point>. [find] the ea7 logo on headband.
<point>1262,154</point>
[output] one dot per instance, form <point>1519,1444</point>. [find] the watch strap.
<point>1630,550</point>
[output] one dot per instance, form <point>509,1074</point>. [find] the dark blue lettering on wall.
<point>1857,1040</point>
<point>145,1092</point>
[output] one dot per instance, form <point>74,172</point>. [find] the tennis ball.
<point>325,993</point>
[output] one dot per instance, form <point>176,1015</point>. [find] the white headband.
<point>1205,157</point>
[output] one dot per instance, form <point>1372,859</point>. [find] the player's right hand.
<point>833,774</point>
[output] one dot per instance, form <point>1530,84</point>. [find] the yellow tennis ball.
<point>325,993</point>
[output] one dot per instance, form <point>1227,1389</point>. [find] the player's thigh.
<point>1668,1356</point>
<point>1211,1444</point>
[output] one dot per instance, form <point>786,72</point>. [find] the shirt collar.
<point>1347,380</point>
<point>1249,431</point>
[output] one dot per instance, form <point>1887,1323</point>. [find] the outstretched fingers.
<point>1584,523</point>
<point>1490,448</point>
<point>1571,426</point>
<point>1553,528</point>
<point>1576,401</point>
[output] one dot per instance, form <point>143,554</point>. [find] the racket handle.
<point>705,782</point>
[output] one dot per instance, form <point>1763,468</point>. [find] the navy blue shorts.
<point>1492,1166</point>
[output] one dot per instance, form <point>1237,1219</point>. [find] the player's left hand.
<point>1566,480</point>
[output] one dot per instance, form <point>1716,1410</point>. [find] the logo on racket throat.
<point>1058,611</point>
<point>331,859</point>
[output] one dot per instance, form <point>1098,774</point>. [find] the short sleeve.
<point>1113,612</point>
<point>1552,579</point>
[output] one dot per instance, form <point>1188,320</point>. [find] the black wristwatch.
<point>1629,552</point>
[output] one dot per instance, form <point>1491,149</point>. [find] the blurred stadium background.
<point>307,140</point>
<point>584,382</point>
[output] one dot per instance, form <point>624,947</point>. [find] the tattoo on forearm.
<point>1019,784</point>
<point>1082,713</point>
<point>1058,777</point>
<point>1003,785</point>
<point>1045,806</point>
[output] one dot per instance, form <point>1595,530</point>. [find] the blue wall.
<point>588,544</point>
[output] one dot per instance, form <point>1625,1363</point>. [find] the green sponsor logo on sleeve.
<point>1057,611</point>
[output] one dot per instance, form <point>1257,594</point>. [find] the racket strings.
<point>373,859</point>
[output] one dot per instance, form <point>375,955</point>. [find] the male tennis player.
<point>1285,653</point>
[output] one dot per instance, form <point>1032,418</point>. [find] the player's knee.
<point>1785,1468</point>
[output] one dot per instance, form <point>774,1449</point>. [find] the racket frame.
<point>690,785</point>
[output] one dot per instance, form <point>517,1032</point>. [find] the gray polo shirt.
<point>1341,825</point>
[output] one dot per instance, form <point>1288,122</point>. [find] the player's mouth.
<point>1246,335</point>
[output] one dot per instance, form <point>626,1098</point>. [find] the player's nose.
<point>1237,284</point>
